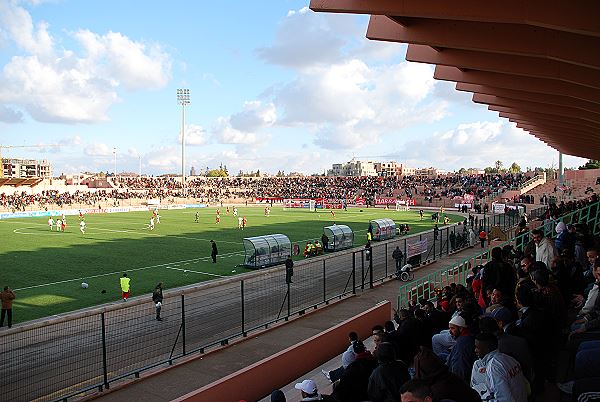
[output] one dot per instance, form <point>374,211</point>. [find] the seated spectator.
<point>495,375</point>
<point>388,377</point>
<point>416,391</point>
<point>310,392</point>
<point>278,396</point>
<point>444,384</point>
<point>513,346</point>
<point>347,358</point>
<point>461,358</point>
<point>354,382</point>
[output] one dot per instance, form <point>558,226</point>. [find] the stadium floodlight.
<point>115,155</point>
<point>183,99</point>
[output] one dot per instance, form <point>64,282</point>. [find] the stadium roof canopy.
<point>535,62</point>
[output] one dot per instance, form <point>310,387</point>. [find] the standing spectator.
<point>325,241</point>
<point>125,286</point>
<point>498,274</point>
<point>482,238</point>
<point>497,376</point>
<point>368,251</point>
<point>289,269</point>
<point>398,256</point>
<point>7,297</point>
<point>545,251</point>
<point>214,251</point>
<point>157,298</point>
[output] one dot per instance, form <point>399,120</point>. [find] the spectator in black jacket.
<point>354,382</point>
<point>388,377</point>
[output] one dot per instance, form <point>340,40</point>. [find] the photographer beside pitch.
<point>157,298</point>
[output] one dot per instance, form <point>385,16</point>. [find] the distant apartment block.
<point>26,168</point>
<point>353,168</point>
<point>367,168</point>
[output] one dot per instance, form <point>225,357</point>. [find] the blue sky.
<point>274,86</point>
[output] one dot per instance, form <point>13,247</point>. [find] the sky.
<point>274,86</point>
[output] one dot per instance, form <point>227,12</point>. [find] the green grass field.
<point>46,268</point>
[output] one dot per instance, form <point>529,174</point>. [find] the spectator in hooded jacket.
<point>444,384</point>
<point>388,377</point>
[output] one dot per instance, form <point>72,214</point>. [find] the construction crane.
<point>20,146</point>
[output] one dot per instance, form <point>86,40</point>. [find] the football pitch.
<point>46,268</point>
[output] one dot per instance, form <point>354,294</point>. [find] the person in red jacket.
<point>7,297</point>
<point>482,238</point>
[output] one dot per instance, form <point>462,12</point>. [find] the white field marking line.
<point>128,231</point>
<point>127,270</point>
<point>45,233</point>
<point>196,272</point>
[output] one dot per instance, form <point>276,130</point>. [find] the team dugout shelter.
<point>267,250</point>
<point>340,237</point>
<point>383,229</point>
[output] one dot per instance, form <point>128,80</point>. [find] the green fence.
<point>425,287</point>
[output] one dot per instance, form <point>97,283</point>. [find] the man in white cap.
<point>309,391</point>
<point>461,358</point>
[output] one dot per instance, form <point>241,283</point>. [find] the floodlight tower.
<point>115,161</point>
<point>183,99</point>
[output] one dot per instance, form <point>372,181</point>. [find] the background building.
<point>26,168</point>
<point>353,168</point>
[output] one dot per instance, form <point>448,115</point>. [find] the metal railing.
<point>426,286</point>
<point>67,356</point>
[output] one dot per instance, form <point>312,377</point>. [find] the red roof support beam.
<point>502,63</point>
<point>497,38</point>
<point>536,107</point>
<point>558,100</point>
<point>553,14</point>
<point>516,82</point>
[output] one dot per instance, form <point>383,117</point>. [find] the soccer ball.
<point>184,271</point>
<point>84,285</point>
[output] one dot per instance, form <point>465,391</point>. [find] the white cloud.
<point>9,115</point>
<point>225,134</point>
<point>194,135</point>
<point>70,141</point>
<point>303,40</point>
<point>57,85</point>
<point>166,158</point>
<point>254,116</point>
<point>479,144</point>
<point>98,149</point>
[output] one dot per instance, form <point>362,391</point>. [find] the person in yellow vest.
<point>125,286</point>
<point>369,236</point>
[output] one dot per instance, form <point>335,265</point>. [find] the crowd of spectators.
<point>277,188</point>
<point>500,337</point>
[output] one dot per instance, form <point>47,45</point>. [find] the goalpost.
<point>402,206</point>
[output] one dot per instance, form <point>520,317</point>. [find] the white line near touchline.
<point>196,272</point>
<point>166,265</point>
